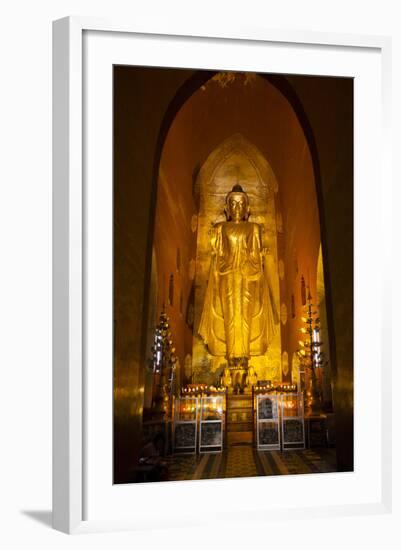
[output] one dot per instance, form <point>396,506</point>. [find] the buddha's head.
<point>237,204</point>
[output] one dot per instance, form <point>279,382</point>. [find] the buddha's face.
<point>237,207</point>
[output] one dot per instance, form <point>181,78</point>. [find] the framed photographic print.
<point>219,230</point>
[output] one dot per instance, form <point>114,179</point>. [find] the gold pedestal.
<point>239,377</point>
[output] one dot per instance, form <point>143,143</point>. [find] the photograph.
<point>200,283</point>
<point>233,248</point>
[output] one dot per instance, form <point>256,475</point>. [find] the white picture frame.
<point>72,253</point>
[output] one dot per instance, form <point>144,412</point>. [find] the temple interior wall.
<point>153,123</point>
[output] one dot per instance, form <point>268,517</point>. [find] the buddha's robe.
<point>239,315</point>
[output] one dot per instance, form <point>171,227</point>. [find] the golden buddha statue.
<point>251,377</point>
<point>239,315</point>
<point>226,378</point>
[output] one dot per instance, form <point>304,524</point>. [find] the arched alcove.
<point>236,129</point>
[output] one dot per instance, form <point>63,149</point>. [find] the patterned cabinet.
<point>211,426</point>
<point>292,421</point>
<point>186,410</point>
<point>267,422</point>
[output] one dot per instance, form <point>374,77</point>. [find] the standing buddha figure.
<point>239,315</point>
